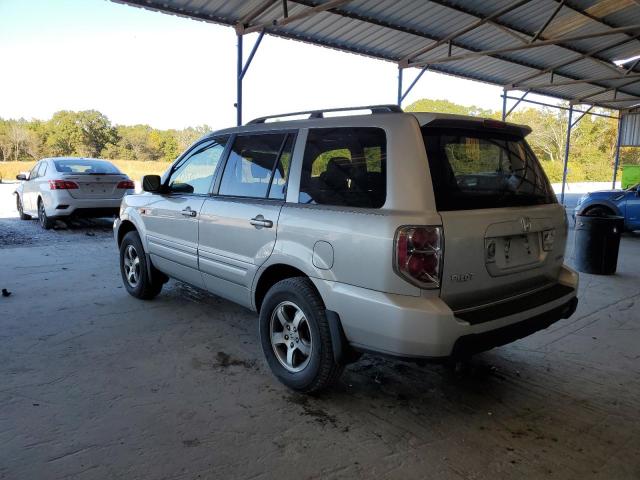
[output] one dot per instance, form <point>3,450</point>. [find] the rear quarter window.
<point>345,166</point>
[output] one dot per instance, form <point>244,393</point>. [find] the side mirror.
<point>21,176</point>
<point>151,183</point>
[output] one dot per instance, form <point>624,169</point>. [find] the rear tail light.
<point>418,255</point>
<point>62,185</point>
<point>128,184</point>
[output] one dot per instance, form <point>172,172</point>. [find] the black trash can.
<point>596,243</point>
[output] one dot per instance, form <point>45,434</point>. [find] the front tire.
<point>20,208</point>
<point>45,222</point>
<point>135,269</point>
<point>295,336</point>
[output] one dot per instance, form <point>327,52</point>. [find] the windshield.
<point>474,169</point>
<point>633,187</point>
<point>85,167</point>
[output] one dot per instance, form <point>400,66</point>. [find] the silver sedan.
<point>59,188</point>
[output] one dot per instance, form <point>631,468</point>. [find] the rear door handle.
<point>259,221</point>
<point>187,212</point>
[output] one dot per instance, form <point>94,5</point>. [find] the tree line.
<point>90,133</point>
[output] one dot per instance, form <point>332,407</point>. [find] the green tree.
<point>445,106</point>
<point>84,133</point>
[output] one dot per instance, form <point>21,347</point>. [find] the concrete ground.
<point>97,384</point>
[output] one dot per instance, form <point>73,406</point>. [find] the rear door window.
<point>345,166</point>
<point>258,166</point>
<point>473,169</point>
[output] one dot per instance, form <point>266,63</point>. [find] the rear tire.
<point>20,208</point>
<point>295,336</point>
<point>45,222</point>
<point>135,269</point>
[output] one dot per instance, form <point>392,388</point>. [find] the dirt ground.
<point>97,384</point>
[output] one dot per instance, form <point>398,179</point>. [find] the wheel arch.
<point>272,275</point>
<point>125,227</point>
<point>342,351</point>
<point>604,205</point>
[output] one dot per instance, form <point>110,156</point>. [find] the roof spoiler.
<point>320,113</point>
<point>484,123</point>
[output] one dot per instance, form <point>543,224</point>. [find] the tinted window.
<point>278,187</point>
<point>473,169</point>
<point>43,169</point>
<point>194,174</point>
<point>251,164</point>
<point>345,166</point>
<point>83,166</point>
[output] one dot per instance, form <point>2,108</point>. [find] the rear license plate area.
<point>512,252</point>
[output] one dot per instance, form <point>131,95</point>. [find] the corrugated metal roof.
<point>579,44</point>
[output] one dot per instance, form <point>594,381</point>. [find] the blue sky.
<point>139,66</point>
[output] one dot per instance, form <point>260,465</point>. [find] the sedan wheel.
<point>45,222</point>
<point>20,208</point>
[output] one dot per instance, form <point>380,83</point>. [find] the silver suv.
<point>416,235</point>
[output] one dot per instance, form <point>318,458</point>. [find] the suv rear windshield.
<point>473,169</point>
<point>87,167</point>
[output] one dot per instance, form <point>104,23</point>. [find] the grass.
<point>135,169</point>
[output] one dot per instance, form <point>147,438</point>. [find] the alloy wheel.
<point>42,215</point>
<point>290,336</point>
<point>131,264</point>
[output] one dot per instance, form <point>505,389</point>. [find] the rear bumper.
<point>425,327</point>
<point>480,342</point>
<point>64,205</point>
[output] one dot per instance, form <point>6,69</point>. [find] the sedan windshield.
<point>85,167</point>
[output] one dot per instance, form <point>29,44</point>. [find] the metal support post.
<point>617,159</point>
<point>566,153</point>
<point>239,83</point>
<point>242,70</point>
<point>504,105</point>
<point>413,84</point>
<point>399,86</point>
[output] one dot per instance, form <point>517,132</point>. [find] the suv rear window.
<point>345,166</point>
<point>473,169</point>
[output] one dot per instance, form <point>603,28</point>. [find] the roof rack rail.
<point>320,113</point>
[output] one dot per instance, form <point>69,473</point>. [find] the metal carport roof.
<point>561,48</point>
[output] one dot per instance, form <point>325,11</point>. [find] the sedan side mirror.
<point>151,183</point>
<point>21,176</point>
